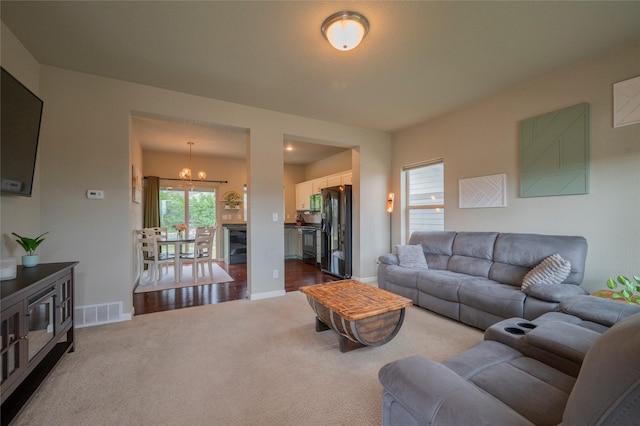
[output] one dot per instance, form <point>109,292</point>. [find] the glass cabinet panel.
<point>12,342</point>
<point>40,317</point>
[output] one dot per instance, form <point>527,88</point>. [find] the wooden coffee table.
<point>361,314</point>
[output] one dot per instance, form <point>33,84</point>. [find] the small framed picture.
<point>626,102</point>
<point>136,185</point>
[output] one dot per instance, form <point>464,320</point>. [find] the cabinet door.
<point>317,185</point>
<point>14,348</point>
<point>64,302</point>
<point>346,178</point>
<point>334,181</point>
<point>303,193</point>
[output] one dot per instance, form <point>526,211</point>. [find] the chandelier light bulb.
<point>345,30</point>
<point>185,174</point>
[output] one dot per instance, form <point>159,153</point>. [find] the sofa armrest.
<point>389,259</point>
<point>554,292</point>
<point>598,310</point>
<point>567,340</point>
<point>435,395</point>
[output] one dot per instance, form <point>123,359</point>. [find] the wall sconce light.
<point>390,199</point>
<point>345,30</point>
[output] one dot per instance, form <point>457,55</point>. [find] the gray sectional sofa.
<point>577,366</point>
<point>476,277</point>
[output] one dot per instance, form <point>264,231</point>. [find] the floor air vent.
<point>86,316</point>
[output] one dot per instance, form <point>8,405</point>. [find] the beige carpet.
<point>235,363</point>
<point>168,279</point>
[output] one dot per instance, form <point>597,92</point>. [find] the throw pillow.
<point>411,256</point>
<point>552,270</point>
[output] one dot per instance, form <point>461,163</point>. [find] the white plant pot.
<point>29,261</point>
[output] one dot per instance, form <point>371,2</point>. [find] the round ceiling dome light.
<point>345,30</point>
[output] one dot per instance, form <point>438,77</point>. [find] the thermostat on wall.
<point>95,194</point>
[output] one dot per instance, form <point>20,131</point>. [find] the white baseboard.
<point>266,295</point>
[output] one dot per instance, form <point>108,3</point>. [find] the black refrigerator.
<point>336,231</point>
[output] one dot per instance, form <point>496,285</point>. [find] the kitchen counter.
<point>314,226</point>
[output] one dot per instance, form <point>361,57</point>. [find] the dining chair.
<point>204,230</point>
<point>202,253</point>
<point>150,256</point>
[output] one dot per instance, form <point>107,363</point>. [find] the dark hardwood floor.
<point>296,274</point>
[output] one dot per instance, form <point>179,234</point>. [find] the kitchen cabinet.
<point>291,246</point>
<point>334,180</point>
<point>234,243</point>
<point>318,184</point>
<point>36,330</point>
<point>303,195</point>
<point>305,189</point>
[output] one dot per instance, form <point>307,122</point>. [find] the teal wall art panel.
<point>554,153</point>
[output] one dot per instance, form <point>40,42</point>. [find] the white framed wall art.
<point>483,192</point>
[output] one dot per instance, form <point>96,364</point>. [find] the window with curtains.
<point>192,205</point>
<point>424,185</point>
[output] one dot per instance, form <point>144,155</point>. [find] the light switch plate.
<point>95,194</point>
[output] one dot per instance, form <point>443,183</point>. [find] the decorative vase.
<point>29,261</point>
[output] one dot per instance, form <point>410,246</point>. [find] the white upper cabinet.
<point>318,184</point>
<point>303,194</point>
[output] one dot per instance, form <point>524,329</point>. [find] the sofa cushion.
<point>528,250</point>
<point>411,256</point>
<point>473,253</point>
<point>552,270</point>
<point>531,388</point>
<point>499,299</point>
<point>441,284</point>
<point>437,246</point>
<point>403,277</point>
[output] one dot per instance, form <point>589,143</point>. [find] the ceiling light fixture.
<point>185,174</point>
<point>345,30</point>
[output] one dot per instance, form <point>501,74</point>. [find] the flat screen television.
<point>20,115</point>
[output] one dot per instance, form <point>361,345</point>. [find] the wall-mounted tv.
<point>20,115</point>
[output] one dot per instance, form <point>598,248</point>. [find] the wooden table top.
<point>354,300</point>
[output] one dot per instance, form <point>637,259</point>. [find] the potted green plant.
<point>30,245</point>
<point>232,199</point>
<point>628,292</point>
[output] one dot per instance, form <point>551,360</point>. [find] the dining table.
<point>179,244</point>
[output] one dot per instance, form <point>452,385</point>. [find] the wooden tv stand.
<point>36,330</point>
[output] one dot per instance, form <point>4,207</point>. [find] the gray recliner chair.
<point>494,384</point>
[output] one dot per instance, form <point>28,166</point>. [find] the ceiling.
<point>419,60</point>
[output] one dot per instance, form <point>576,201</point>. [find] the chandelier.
<point>185,174</point>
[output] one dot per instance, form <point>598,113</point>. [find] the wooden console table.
<point>36,330</point>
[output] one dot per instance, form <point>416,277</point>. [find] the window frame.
<point>409,207</point>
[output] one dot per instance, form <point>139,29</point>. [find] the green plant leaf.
<point>611,284</point>
<point>627,293</point>
<point>616,296</point>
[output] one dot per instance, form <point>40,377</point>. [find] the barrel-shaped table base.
<point>372,331</point>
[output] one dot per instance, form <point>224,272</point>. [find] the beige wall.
<point>482,139</point>
<point>328,166</point>
<point>86,143</point>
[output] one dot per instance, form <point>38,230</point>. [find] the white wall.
<point>482,139</point>
<point>86,143</point>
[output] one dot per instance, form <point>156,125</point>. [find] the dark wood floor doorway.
<point>297,274</point>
